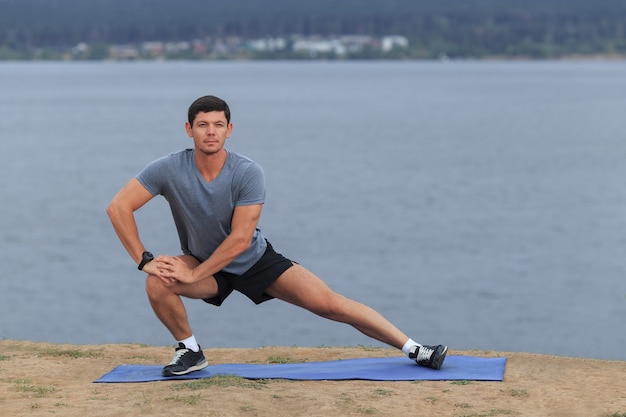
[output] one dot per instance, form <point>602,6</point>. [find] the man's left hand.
<point>174,268</point>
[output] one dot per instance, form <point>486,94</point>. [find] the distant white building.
<point>81,48</point>
<point>267,44</point>
<point>390,42</point>
<point>177,47</point>
<point>154,48</point>
<point>123,52</point>
<point>356,43</point>
<point>319,46</point>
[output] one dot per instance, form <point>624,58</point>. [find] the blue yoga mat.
<point>373,369</point>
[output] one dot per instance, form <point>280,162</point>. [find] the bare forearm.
<point>126,229</point>
<point>244,221</point>
<point>121,212</point>
<point>228,251</point>
<point>243,226</point>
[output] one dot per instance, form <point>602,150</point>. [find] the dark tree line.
<point>464,28</point>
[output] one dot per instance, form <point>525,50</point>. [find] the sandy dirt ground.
<point>40,379</point>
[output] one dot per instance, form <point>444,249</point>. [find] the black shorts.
<point>253,282</point>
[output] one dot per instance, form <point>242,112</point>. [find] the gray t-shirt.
<point>203,210</point>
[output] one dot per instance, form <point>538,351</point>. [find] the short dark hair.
<point>207,104</point>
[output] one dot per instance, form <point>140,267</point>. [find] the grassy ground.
<point>38,379</point>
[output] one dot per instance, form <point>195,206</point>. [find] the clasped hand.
<point>170,269</point>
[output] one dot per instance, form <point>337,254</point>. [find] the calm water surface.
<point>481,205</point>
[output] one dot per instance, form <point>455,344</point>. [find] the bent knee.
<point>155,286</point>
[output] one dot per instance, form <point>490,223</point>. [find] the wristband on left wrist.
<point>145,258</point>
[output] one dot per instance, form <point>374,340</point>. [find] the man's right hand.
<point>152,268</point>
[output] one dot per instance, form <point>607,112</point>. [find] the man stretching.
<point>216,197</point>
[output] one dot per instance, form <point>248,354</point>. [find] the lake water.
<point>477,204</point>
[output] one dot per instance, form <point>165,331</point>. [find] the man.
<point>216,197</point>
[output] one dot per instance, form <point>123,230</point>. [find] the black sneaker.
<point>185,361</point>
<point>431,356</point>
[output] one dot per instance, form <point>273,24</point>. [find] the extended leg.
<point>301,287</point>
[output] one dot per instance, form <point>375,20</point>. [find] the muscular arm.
<point>121,213</point>
<point>243,225</point>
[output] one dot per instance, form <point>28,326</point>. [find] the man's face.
<point>209,131</point>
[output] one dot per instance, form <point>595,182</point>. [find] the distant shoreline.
<point>491,58</point>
